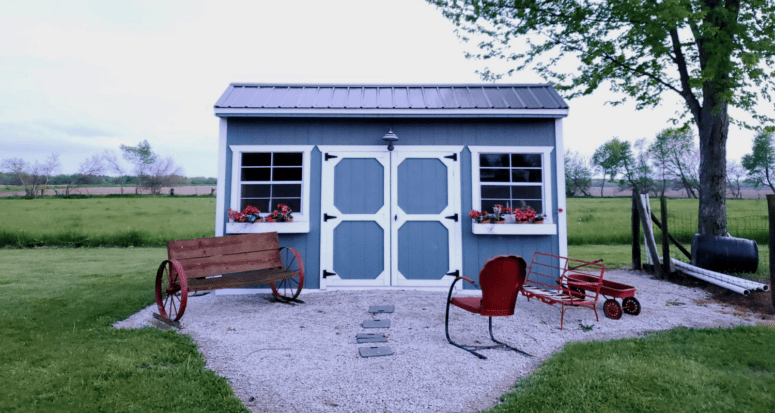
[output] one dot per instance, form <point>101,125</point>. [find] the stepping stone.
<point>379,309</point>
<point>375,351</point>
<point>370,338</point>
<point>376,324</point>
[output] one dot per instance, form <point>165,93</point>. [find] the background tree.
<point>161,173</point>
<point>88,169</point>
<point>34,177</point>
<point>674,154</point>
<point>636,169</point>
<point>114,165</point>
<point>711,53</point>
<point>578,174</point>
<point>760,163</point>
<point>142,157</point>
<point>735,177</point>
<point>609,158</point>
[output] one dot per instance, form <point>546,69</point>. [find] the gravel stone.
<point>282,358</point>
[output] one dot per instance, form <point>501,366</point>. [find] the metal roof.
<point>513,100</point>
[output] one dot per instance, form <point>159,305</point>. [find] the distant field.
<point>154,220</point>
<point>608,220</point>
<point>105,221</point>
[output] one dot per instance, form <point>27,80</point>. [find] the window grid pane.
<point>511,179</point>
<point>280,175</point>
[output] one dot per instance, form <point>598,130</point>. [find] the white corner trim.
<point>236,163</point>
<point>562,217</point>
<point>545,151</point>
<point>220,191</point>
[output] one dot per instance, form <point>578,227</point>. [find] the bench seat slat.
<point>241,280</point>
<point>233,244</point>
<point>232,263</point>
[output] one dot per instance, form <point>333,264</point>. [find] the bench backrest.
<point>205,257</point>
<point>552,271</point>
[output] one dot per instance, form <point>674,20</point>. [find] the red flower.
<point>251,210</point>
<point>284,208</point>
<point>275,214</point>
<point>474,214</point>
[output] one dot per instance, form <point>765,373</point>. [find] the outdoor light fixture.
<point>390,137</point>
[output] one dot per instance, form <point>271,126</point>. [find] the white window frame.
<point>301,218</point>
<point>549,227</point>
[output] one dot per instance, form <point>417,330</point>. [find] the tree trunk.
<point>713,127</point>
<point>602,187</point>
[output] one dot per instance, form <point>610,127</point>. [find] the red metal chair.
<point>501,279</point>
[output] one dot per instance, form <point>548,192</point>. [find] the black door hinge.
<point>329,156</point>
<point>452,217</point>
<point>453,157</point>
<point>328,274</point>
<point>456,273</point>
<point>326,217</point>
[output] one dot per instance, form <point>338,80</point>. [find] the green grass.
<point>59,351</point>
<point>105,221</point>
<point>608,220</point>
<point>681,370</point>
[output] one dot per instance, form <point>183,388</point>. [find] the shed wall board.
<point>477,249</point>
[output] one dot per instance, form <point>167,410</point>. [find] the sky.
<point>78,78</point>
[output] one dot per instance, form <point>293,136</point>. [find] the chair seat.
<point>471,304</point>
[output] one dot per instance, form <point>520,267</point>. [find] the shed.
<point>370,215</point>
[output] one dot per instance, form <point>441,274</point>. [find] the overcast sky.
<point>80,77</point>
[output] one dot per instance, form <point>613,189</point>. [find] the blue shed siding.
<point>477,249</point>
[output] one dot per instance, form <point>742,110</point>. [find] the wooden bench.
<point>226,262</point>
<point>550,279</point>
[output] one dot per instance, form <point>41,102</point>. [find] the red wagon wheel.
<point>171,290</point>
<point>612,309</point>
<point>290,288</point>
<point>631,305</point>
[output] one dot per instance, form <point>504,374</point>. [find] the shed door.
<point>396,221</point>
<point>355,226</point>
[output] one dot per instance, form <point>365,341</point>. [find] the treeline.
<point>103,180</point>
<point>671,161</point>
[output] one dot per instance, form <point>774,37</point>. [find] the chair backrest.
<point>501,279</point>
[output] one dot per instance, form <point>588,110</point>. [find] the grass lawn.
<point>105,221</point>
<point>608,220</point>
<point>59,352</point>
<point>681,370</point>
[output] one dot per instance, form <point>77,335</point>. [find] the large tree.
<point>712,53</point>
<point>578,174</point>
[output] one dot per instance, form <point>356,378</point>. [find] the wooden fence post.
<point>665,236</point>
<point>651,245</point>
<point>636,264</point>
<point>771,242</point>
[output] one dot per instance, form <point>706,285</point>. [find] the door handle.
<point>326,217</point>
<point>452,217</point>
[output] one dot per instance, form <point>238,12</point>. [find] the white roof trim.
<point>421,113</point>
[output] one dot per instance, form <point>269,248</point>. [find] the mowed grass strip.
<point>60,353</point>
<point>105,221</point>
<point>681,370</point>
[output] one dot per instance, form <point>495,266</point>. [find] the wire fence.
<point>750,225</point>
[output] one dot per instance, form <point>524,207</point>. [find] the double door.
<point>390,218</point>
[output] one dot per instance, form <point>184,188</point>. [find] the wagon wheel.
<point>631,305</point>
<point>612,309</point>
<point>290,288</point>
<point>171,290</point>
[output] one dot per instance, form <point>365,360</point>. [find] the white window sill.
<point>259,227</point>
<point>514,229</point>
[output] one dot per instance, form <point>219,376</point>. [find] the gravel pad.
<point>282,358</point>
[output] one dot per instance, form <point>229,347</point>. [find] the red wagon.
<point>610,290</point>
